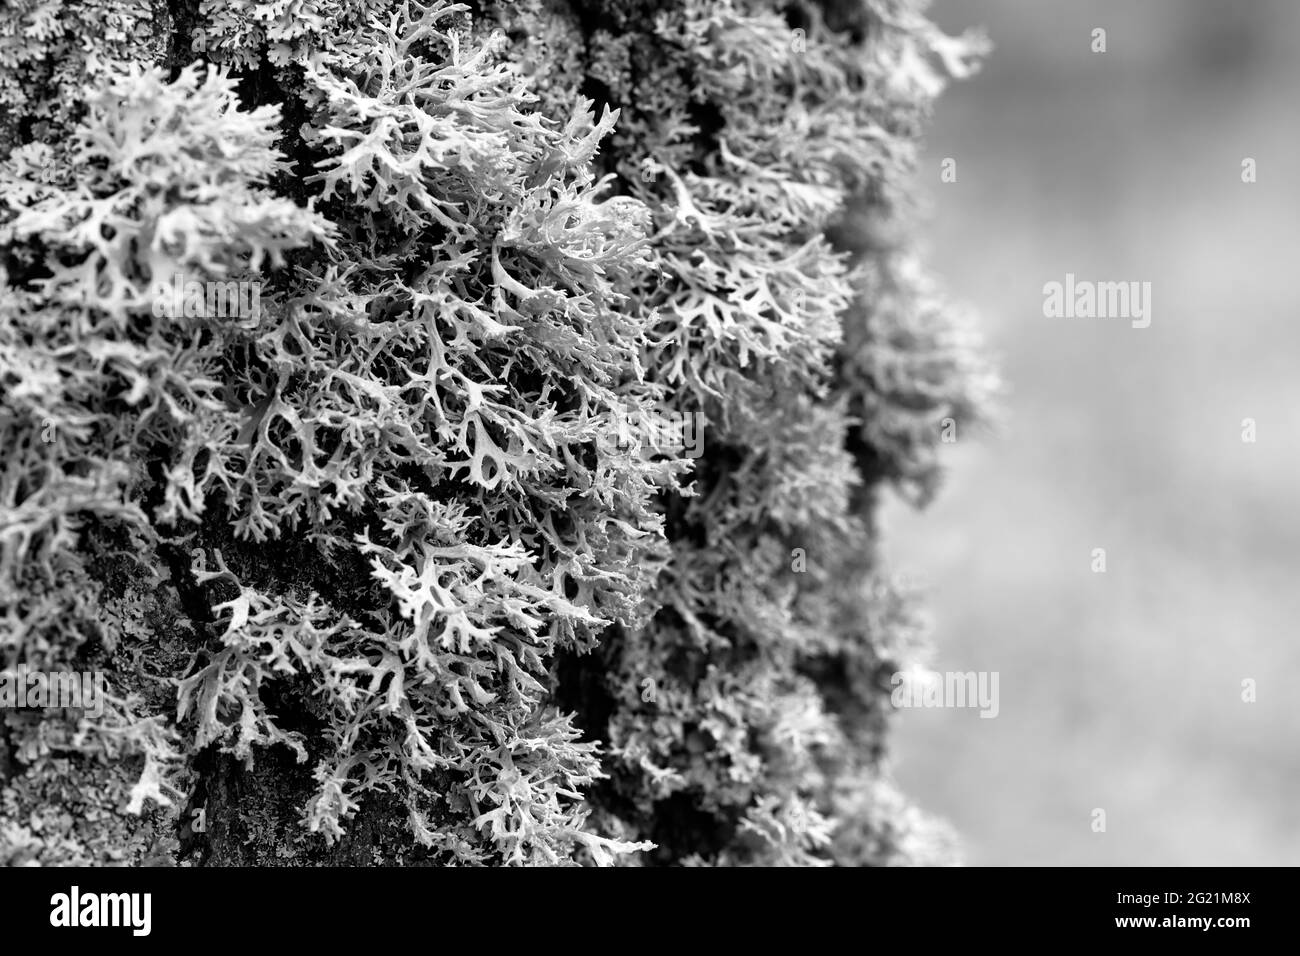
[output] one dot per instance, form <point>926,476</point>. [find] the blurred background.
<point>1121,690</point>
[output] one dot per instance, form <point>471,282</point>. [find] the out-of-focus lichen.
<point>370,574</point>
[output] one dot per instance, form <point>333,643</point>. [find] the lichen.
<point>370,571</point>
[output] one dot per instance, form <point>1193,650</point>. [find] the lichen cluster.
<point>371,571</point>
